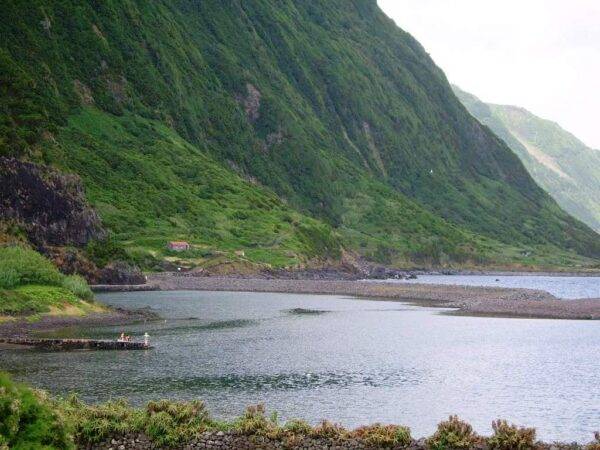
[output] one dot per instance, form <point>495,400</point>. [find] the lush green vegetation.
<point>30,284</point>
<point>556,159</point>
<point>21,266</point>
<point>31,420</point>
<point>281,128</point>
<point>176,192</point>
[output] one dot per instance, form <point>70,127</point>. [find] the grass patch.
<point>78,286</point>
<point>34,299</point>
<point>30,285</point>
<point>20,266</point>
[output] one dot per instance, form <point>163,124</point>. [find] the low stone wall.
<point>123,287</point>
<point>220,440</point>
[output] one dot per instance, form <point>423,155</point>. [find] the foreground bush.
<point>171,423</point>
<point>29,420</point>
<point>94,423</point>
<point>453,434</point>
<point>384,436</point>
<point>511,437</point>
<point>328,430</point>
<point>595,445</point>
<point>166,423</point>
<point>255,422</point>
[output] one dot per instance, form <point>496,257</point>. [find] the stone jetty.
<point>123,287</point>
<point>76,344</point>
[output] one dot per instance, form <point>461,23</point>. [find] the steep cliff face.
<point>557,160</point>
<point>325,103</point>
<point>48,205</point>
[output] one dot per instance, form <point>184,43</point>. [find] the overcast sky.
<point>543,55</point>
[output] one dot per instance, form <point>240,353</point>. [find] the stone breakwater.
<point>230,440</point>
<point>123,287</point>
<point>76,344</point>
<point>501,302</point>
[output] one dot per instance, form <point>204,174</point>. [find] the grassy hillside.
<point>151,186</point>
<point>283,128</point>
<point>30,285</point>
<point>556,159</point>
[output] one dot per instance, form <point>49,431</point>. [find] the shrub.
<point>170,423</point>
<point>28,420</point>
<point>254,422</point>
<point>509,437</point>
<point>101,252</point>
<point>78,286</point>
<point>384,436</point>
<point>298,427</point>
<point>453,434</point>
<point>329,430</point>
<point>595,445</point>
<point>93,423</point>
<point>160,427</point>
<point>20,266</point>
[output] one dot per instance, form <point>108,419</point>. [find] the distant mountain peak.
<point>555,158</point>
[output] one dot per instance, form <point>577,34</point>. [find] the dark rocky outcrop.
<point>121,273</point>
<point>72,261</point>
<point>49,205</point>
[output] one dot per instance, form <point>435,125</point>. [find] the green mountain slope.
<point>162,106</point>
<point>561,164</point>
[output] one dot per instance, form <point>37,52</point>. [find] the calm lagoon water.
<point>354,362</point>
<point>561,287</point>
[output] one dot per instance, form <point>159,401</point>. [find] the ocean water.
<point>349,360</point>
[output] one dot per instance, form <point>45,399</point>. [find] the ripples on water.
<point>348,360</point>
<point>284,381</point>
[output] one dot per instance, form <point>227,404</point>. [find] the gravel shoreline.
<point>466,300</point>
<point>469,300</point>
